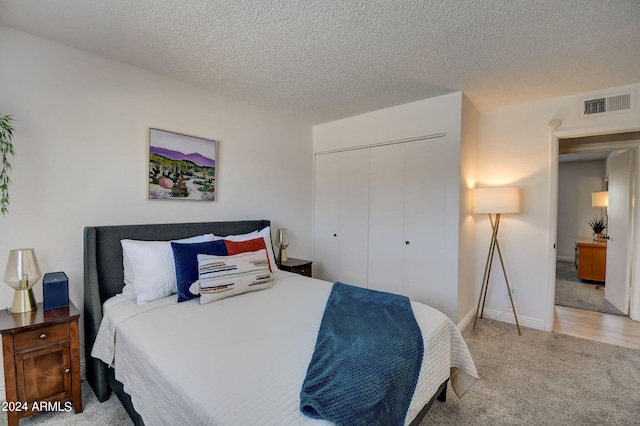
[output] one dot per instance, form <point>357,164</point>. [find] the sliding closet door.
<point>386,218</point>
<point>431,218</point>
<point>341,216</point>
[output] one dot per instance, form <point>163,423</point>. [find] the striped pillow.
<point>225,276</point>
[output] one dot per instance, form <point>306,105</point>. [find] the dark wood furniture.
<point>41,353</point>
<point>591,260</point>
<point>297,266</point>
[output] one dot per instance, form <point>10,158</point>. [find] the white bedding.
<point>242,360</point>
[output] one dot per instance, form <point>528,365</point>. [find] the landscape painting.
<point>181,167</point>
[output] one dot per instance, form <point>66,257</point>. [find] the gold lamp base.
<point>282,255</point>
<point>23,301</point>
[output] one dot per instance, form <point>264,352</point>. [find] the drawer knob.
<point>67,371</point>
<point>43,336</point>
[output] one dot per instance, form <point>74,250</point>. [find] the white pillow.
<point>149,267</point>
<point>220,277</point>
<point>264,233</point>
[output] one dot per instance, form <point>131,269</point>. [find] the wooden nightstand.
<point>591,260</point>
<point>297,266</point>
<point>41,353</point>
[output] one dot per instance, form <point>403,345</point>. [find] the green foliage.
<point>180,172</point>
<point>6,150</point>
<point>180,189</point>
<point>205,185</point>
<point>598,224</point>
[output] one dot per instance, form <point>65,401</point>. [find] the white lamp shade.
<point>501,199</point>
<point>600,199</point>
<point>22,263</point>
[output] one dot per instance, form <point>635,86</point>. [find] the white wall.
<point>467,241</point>
<point>81,159</point>
<point>421,118</point>
<point>576,181</point>
<point>516,147</point>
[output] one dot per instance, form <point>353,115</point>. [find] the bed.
<point>240,360</point>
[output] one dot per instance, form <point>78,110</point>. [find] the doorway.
<point>560,317</point>
<point>581,261</point>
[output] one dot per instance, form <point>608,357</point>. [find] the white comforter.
<point>242,360</point>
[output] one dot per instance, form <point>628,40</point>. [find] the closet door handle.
<point>406,242</point>
<point>335,235</point>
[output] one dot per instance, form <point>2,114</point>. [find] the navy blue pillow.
<point>186,258</point>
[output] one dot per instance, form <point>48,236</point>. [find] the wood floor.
<point>612,329</point>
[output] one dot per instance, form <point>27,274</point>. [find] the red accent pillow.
<point>235,247</point>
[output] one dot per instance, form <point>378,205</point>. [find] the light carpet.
<point>583,296</point>
<point>567,271</point>
<point>571,291</point>
<point>539,378</point>
<point>110,412</point>
<point>543,378</point>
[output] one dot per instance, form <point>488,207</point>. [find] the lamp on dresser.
<point>22,273</point>
<point>600,199</point>
<point>495,201</point>
<point>282,241</point>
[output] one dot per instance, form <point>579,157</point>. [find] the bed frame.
<point>103,278</point>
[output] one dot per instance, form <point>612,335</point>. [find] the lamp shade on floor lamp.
<point>502,199</point>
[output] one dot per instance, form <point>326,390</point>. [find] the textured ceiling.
<point>320,60</point>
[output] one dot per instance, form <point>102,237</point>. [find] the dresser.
<point>41,354</point>
<point>591,260</point>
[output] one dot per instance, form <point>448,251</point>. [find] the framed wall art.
<point>181,167</point>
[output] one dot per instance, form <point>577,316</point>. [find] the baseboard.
<point>507,316</point>
<point>467,319</point>
<point>566,258</point>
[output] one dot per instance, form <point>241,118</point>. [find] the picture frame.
<point>181,167</point>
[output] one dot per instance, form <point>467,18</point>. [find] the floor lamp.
<point>601,199</point>
<point>495,200</point>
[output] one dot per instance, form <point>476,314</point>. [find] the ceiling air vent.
<point>606,105</point>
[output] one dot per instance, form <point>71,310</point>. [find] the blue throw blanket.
<point>366,361</point>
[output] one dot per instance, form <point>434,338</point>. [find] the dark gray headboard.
<point>103,272</point>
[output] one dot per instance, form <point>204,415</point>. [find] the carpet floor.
<point>110,412</point>
<point>571,291</point>
<point>539,378</point>
<point>543,378</point>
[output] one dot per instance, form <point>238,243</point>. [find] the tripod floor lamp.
<point>495,201</point>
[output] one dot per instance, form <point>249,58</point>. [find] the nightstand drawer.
<point>297,266</point>
<point>302,270</point>
<point>41,336</point>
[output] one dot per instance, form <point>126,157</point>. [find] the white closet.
<point>396,220</point>
<point>341,210</point>
<point>394,186</point>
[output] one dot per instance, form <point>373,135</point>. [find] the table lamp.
<point>600,199</point>
<point>282,241</point>
<point>22,273</point>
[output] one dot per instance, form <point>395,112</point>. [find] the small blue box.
<point>55,290</point>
